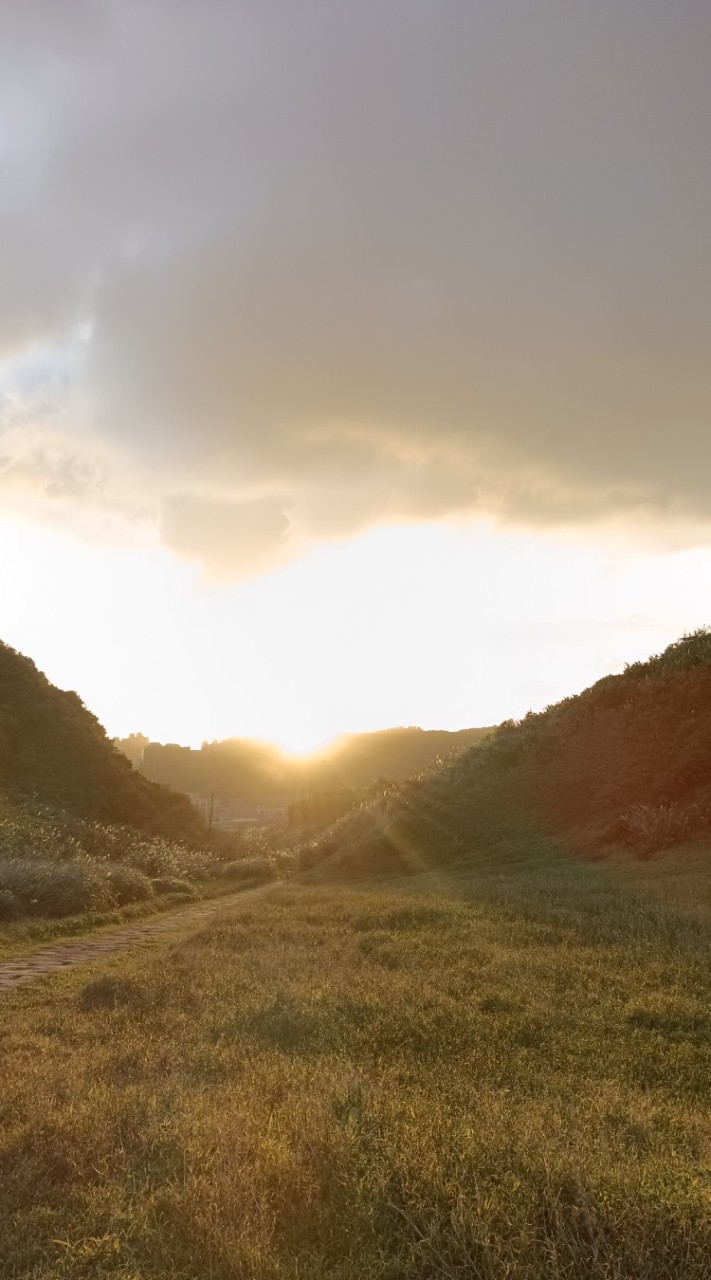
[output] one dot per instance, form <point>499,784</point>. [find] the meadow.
<point>500,1073</point>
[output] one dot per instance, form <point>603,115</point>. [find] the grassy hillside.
<point>54,751</point>
<point>625,764</point>
<point>507,1082</point>
<point>256,771</point>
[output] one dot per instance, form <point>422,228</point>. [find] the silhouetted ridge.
<point>55,751</point>
<point>625,763</point>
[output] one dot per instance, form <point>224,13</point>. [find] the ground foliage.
<point>54,864</point>
<point>503,1078</point>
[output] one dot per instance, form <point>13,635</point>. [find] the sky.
<point>353,355</point>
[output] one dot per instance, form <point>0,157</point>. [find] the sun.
<point>304,740</point>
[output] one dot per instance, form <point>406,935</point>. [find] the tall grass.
<point>56,865</point>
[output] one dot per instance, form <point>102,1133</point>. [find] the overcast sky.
<point>278,275</point>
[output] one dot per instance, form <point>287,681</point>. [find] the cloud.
<point>243,538</point>
<point>385,262</point>
<point>50,472</point>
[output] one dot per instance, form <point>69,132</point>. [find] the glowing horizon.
<point>444,628</point>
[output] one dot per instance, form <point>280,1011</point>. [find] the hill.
<point>625,763</point>
<point>260,772</point>
<point>54,752</point>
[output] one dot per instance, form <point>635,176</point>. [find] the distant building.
<point>133,747</point>
<point>201,803</point>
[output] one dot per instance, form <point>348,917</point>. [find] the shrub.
<point>647,827</point>
<point>284,864</point>
<point>164,859</point>
<point>129,885</point>
<point>62,889</point>
<point>10,908</point>
<point>55,864</point>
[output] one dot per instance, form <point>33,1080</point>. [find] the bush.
<point>647,828</point>
<point>62,889</point>
<point>55,864</point>
<point>163,859</point>
<point>129,885</point>
<point>10,908</point>
<point>284,864</point>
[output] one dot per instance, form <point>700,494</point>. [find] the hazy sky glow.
<point>441,627</point>
<point>353,357</point>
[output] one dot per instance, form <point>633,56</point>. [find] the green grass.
<point>500,1076</point>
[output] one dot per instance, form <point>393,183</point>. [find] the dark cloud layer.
<point>357,262</point>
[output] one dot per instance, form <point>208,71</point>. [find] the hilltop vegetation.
<point>625,764</point>
<point>257,771</point>
<point>54,751</point>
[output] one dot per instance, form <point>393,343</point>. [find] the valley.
<point>461,1031</point>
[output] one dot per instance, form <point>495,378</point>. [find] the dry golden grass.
<point>475,1078</point>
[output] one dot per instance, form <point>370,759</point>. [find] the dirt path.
<point>39,964</point>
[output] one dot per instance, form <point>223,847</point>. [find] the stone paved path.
<point>39,964</point>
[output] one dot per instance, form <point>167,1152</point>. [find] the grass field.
<point>506,1076</point>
